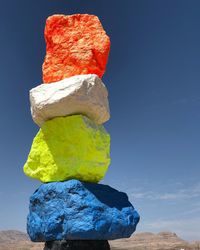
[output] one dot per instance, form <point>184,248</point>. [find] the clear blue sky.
<point>153,78</point>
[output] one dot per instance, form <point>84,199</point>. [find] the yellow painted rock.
<point>71,147</point>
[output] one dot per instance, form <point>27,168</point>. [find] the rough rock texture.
<point>77,245</point>
<point>75,45</point>
<point>75,211</point>
<point>83,94</point>
<point>69,147</point>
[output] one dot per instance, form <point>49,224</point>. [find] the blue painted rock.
<point>74,210</point>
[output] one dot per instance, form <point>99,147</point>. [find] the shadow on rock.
<point>77,245</point>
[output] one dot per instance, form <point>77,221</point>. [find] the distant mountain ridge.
<point>12,236</point>
<point>150,241</point>
<point>16,240</point>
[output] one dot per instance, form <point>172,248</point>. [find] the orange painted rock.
<point>75,45</point>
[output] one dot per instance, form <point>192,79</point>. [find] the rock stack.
<point>71,152</point>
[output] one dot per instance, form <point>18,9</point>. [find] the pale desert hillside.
<point>16,240</point>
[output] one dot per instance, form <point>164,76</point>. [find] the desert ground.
<point>16,240</point>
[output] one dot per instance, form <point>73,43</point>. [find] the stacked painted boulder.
<point>71,152</point>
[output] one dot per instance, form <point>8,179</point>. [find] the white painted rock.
<point>80,94</point>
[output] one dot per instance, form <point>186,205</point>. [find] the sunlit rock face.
<point>71,152</point>
<point>75,45</point>
<point>82,94</point>
<point>76,210</point>
<point>71,147</point>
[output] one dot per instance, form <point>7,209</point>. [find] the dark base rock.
<point>77,245</point>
